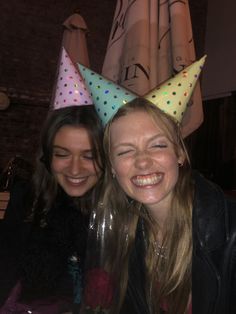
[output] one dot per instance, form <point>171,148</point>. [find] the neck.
<point>159,215</point>
<point>160,211</point>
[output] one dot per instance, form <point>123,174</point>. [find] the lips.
<point>76,180</point>
<point>147,179</point>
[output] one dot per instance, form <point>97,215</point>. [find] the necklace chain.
<point>160,251</point>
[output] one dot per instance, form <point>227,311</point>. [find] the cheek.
<point>122,174</point>
<point>57,165</point>
<point>120,167</point>
<point>89,164</point>
<point>173,169</point>
<point>96,170</point>
<point>170,160</point>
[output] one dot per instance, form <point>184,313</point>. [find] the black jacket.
<point>13,237</point>
<point>214,256</point>
<point>39,256</point>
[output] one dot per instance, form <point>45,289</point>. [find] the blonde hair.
<point>172,274</point>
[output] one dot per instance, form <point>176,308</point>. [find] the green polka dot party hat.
<point>107,96</point>
<point>173,95</point>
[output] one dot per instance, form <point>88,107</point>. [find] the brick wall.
<point>30,40</point>
<point>20,127</point>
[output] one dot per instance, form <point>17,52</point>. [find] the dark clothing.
<point>51,245</point>
<point>47,258</point>
<point>13,236</point>
<point>214,256</point>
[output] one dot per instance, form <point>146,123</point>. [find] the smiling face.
<point>144,160</point>
<point>72,161</point>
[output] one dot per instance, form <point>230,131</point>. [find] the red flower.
<point>98,289</point>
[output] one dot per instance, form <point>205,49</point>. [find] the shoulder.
<point>210,213</point>
<point>206,190</point>
<point>208,195</point>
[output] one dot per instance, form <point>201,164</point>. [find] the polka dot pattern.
<point>71,89</point>
<point>173,95</point>
<point>108,97</point>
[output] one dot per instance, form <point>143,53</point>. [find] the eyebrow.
<point>66,149</point>
<point>161,135</point>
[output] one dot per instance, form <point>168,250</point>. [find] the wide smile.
<point>147,180</point>
<point>76,181</point>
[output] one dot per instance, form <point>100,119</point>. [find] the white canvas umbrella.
<point>74,38</point>
<point>149,42</point>
<point>74,43</point>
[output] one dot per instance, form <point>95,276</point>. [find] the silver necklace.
<point>160,251</point>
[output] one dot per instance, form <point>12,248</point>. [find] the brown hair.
<point>46,186</point>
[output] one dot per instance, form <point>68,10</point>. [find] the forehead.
<point>71,136</point>
<point>136,123</point>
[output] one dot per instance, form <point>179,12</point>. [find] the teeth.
<point>147,179</point>
<point>75,180</point>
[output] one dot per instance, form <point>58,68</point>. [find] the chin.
<point>75,193</point>
<point>78,194</point>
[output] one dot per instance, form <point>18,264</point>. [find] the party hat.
<point>108,97</point>
<point>173,95</point>
<point>70,89</point>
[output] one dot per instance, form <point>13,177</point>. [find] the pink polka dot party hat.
<point>70,87</point>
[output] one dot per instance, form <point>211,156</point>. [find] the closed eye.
<point>124,152</point>
<point>60,152</point>
<point>159,146</point>
<point>89,157</point>
<point>61,155</point>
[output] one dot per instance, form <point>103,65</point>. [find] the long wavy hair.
<point>60,222</point>
<point>45,184</point>
<point>168,279</point>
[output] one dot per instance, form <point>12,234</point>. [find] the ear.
<point>181,158</point>
<point>113,171</point>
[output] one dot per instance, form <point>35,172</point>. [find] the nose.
<point>143,160</point>
<point>75,166</point>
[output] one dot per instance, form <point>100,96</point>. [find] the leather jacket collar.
<point>210,217</point>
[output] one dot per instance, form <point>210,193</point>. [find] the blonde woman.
<point>167,236</point>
